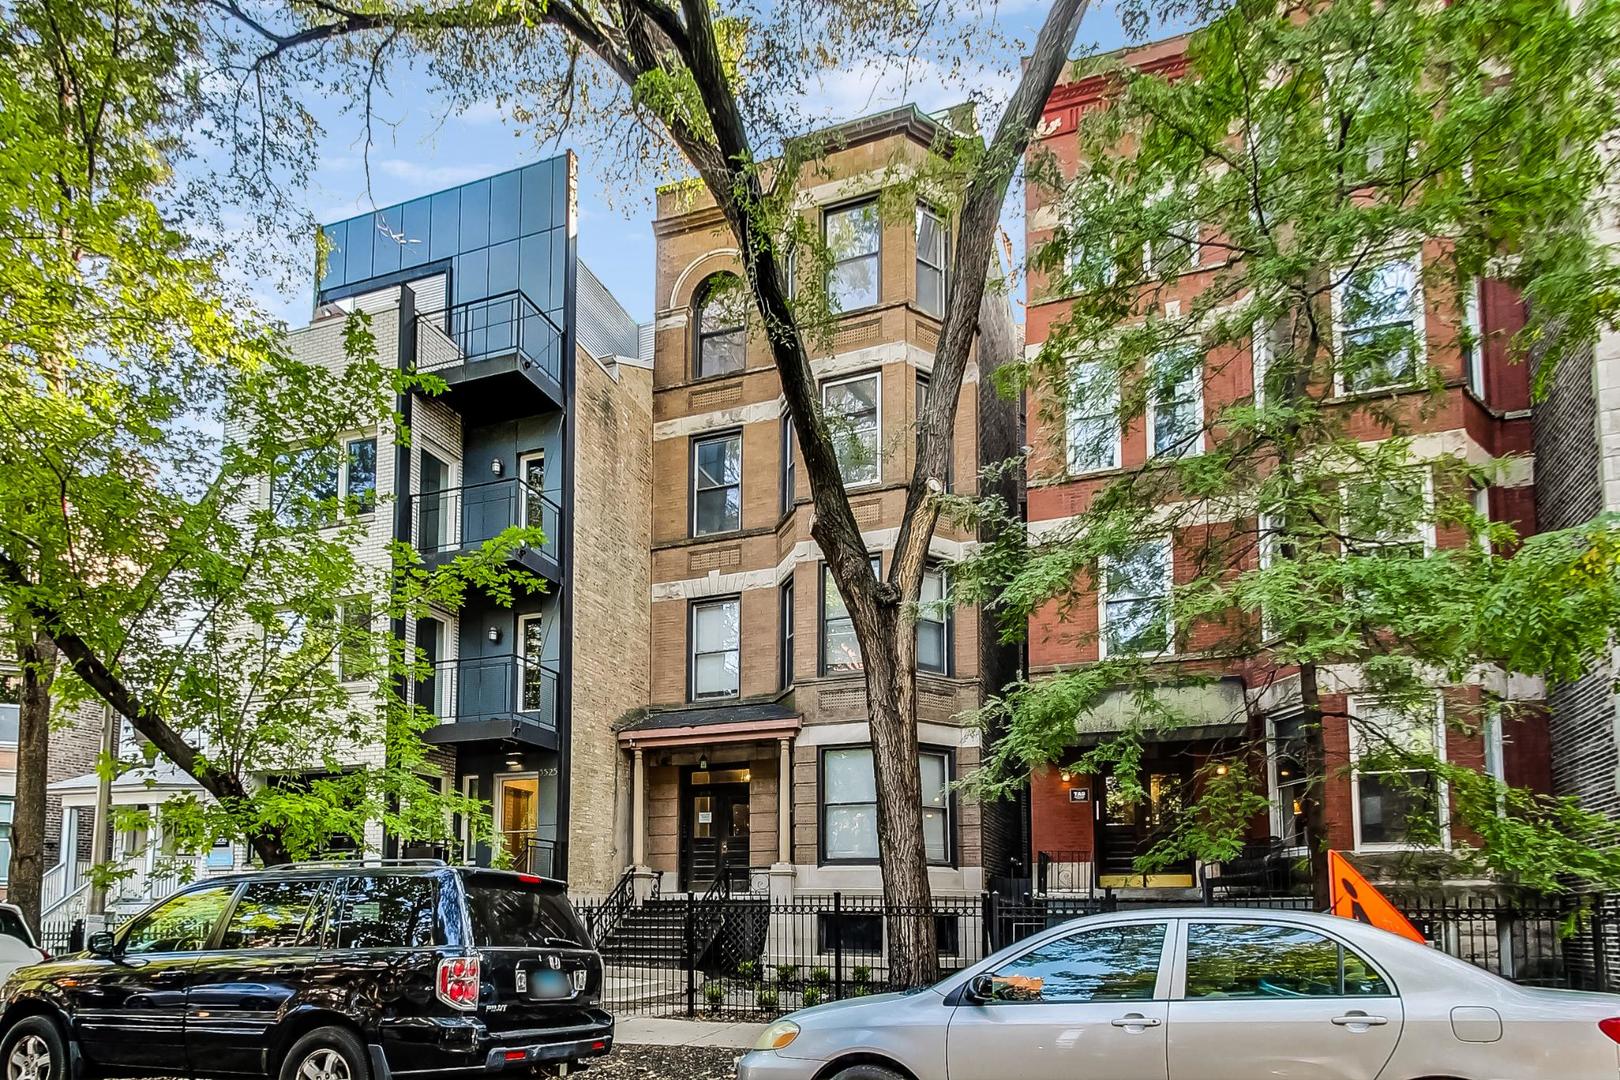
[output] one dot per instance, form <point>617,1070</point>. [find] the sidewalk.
<point>657,1031</point>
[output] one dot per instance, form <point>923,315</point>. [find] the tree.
<point>204,587</point>
<point>717,87</point>
<point>1318,190</point>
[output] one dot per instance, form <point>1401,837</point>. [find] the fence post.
<point>691,961</point>
<point>76,936</point>
<point>838,945</point>
<point>1600,959</point>
<point>987,915</point>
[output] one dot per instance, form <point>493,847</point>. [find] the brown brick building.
<point>753,760</point>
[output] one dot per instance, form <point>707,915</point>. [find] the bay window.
<point>852,410</point>
<point>849,805</point>
<point>853,239</point>
<point>1379,319</point>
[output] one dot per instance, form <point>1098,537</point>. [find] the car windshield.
<point>509,913</point>
<point>11,925</point>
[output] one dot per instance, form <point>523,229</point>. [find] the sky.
<point>421,150</point>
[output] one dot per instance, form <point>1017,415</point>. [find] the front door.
<point>1131,822</point>
<point>436,515</point>
<point>517,817</point>
<point>714,835</point>
<point>1086,1004</point>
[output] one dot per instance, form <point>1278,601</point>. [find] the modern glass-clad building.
<point>485,277</point>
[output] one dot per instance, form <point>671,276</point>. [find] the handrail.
<point>505,324</point>
<point>487,301</point>
<point>457,518</point>
<point>606,918</point>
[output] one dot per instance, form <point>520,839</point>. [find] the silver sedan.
<point>1204,994</point>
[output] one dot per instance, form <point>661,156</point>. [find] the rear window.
<point>383,912</point>
<point>11,925</point>
<point>512,914</point>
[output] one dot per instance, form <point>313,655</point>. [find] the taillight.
<point>1610,1027</point>
<point>458,982</point>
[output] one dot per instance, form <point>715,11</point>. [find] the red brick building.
<point>1083,833</point>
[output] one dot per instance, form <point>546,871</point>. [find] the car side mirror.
<point>102,943</point>
<point>981,989</point>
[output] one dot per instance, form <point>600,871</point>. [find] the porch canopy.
<point>1194,712</point>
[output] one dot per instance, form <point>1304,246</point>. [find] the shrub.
<point>786,973</point>
<point>766,999</point>
<point>860,990</point>
<point>812,997</point>
<point>820,976</point>
<point>714,994</point>
<point>861,975</point>
<point>748,971</point>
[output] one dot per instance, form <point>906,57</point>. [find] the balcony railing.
<point>456,519</point>
<point>481,688</point>
<point>508,324</point>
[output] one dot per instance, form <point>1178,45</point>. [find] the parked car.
<point>1205,994</point>
<point>354,971</point>
<point>18,947</point>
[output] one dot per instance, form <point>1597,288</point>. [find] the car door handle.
<point>1360,1020</point>
<point>1136,1022</point>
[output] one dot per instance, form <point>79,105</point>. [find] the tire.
<point>33,1050</point>
<point>865,1071</point>
<point>327,1053</point>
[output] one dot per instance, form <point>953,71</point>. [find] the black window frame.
<point>786,636</point>
<point>922,391</point>
<point>787,466</point>
<point>946,623</point>
<point>701,298</point>
<point>367,502</point>
<point>1167,947</point>
<point>697,442</point>
<point>231,889</point>
<point>321,907</point>
<point>825,584</point>
<point>876,254</point>
<point>692,608</point>
<point>951,808</point>
<point>440,933</point>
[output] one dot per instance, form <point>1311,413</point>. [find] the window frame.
<point>1195,246</point>
<point>1274,783</point>
<point>1178,987</point>
<point>341,483</point>
<point>826,584</point>
<point>942,224</point>
<point>876,377</point>
<point>1355,704</point>
<point>833,262</point>
<point>1474,327</point>
<point>786,633</point>
<point>1073,417</point>
<point>343,650</point>
<point>320,905</point>
<point>1153,410</point>
<point>787,466</point>
<point>1419,320</point>
<point>1164,983</point>
<point>232,891</point>
<point>923,750</point>
<point>1425,533</point>
<point>694,474</point>
<point>1103,650</point>
<point>701,297</point>
<point>692,608</point>
<point>921,389</point>
<point>945,622</point>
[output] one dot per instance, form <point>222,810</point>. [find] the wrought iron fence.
<point>748,956</point>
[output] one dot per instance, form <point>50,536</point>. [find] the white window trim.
<point>342,469</point>
<point>1426,529</point>
<point>1420,358</point>
<point>1278,814</point>
<point>1194,256</point>
<point>1072,416</point>
<point>1475,328</point>
<point>692,650</point>
<point>945,259</point>
<point>876,376</point>
<point>1260,357</point>
<point>1266,526</point>
<point>1169,616</point>
<point>1356,702</point>
<point>1202,443</point>
<point>830,212</point>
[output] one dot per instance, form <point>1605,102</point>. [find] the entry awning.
<point>756,722</point>
<point>1216,710</point>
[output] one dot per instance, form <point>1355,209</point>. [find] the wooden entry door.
<point>1130,824</point>
<point>714,834</point>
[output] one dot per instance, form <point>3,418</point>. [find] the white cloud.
<point>880,83</point>
<point>436,177</point>
<point>487,111</point>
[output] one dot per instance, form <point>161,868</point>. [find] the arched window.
<point>721,308</point>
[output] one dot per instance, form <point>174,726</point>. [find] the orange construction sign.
<point>1355,898</point>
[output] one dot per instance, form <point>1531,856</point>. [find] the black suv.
<point>320,972</point>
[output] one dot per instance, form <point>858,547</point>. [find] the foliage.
<point>1319,190</point>
<point>766,999</point>
<point>811,997</point>
<point>786,974</point>
<point>714,994</point>
<point>819,976</point>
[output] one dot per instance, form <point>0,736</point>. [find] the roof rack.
<point>308,864</point>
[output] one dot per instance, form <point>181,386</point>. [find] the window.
<point>849,805</point>
<point>1093,421</point>
<point>277,915</point>
<point>852,244</point>
<point>717,484</point>
<point>851,931</point>
<point>221,855</point>
<point>184,923</point>
<point>10,718</point>
<point>716,638</point>
<point>1252,960</point>
<point>840,651</point>
<point>722,334</point>
<point>933,244</point>
<point>360,475</point>
<point>534,684</point>
<point>784,605</point>
<point>355,658</point>
<point>7,808</point>
<point>950,450</point>
<point>1088,263</point>
<point>1379,311</point>
<point>933,623</point>
<point>1175,252</point>
<point>1473,339</point>
<point>1397,803</point>
<point>12,926</point>
<point>1176,407</point>
<point>1114,963</point>
<point>789,480</point>
<point>1386,516</point>
<point>851,408</point>
<point>1289,780</point>
<point>505,915</point>
<point>305,486</point>
<point>389,911</point>
<point>1136,599</point>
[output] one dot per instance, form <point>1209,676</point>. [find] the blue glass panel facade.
<point>502,234</point>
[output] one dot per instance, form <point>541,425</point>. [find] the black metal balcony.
<point>492,697</point>
<point>495,354</point>
<point>447,523</point>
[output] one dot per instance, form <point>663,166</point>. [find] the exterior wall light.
<point>495,466</point>
<point>494,635</point>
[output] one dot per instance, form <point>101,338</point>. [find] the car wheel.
<point>865,1071</point>
<point>34,1050</point>
<point>327,1053</point>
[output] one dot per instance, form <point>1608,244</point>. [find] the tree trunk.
<point>36,655</point>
